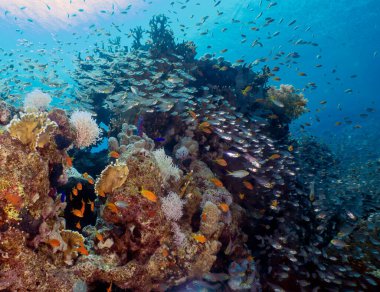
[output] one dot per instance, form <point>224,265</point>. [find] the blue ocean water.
<point>329,50</point>
<point>345,34</point>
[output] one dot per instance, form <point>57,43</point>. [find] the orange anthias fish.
<point>290,148</point>
<point>78,226</point>
<point>69,161</point>
<point>88,178</point>
<point>83,207</point>
<point>224,207</point>
<point>77,213</point>
<point>216,182</point>
<point>200,238</point>
<point>113,208</point>
<point>79,186</point>
<point>274,156</point>
<point>221,161</point>
<point>75,192</point>
<point>82,250</point>
<point>149,195</point>
<point>92,205</point>
<point>99,236</point>
<point>114,154</point>
<point>248,185</point>
<point>54,242</point>
<point>109,288</point>
<point>193,115</point>
<point>204,125</point>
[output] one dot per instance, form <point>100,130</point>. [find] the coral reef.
<point>287,101</point>
<point>145,235</point>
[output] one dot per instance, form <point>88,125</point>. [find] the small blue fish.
<point>159,139</point>
<point>63,197</point>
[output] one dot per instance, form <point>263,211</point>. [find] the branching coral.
<point>287,100</point>
<point>137,34</point>
<point>161,35</point>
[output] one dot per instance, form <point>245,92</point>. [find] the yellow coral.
<point>33,129</point>
<point>111,178</point>
<point>11,212</point>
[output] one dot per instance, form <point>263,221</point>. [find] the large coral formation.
<point>135,243</point>
<point>33,129</point>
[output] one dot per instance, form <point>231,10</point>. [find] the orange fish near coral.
<point>206,130</point>
<point>109,288</point>
<point>114,154</point>
<point>88,178</point>
<point>54,242</point>
<point>248,185</point>
<point>200,238</point>
<point>216,182</point>
<point>69,161</point>
<point>79,186</point>
<point>75,192</point>
<point>224,207</point>
<point>82,250</point>
<point>92,205</point>
<point>77,213</point>
<point>274,156</point>
<point>193,115</point>
<point>221,162</point>
<point>112,207</point>
<point>149,195</point>
<point>290,148</point>
<point>78,226</point>
<point>83,207</point>
<point>204,125</point>
<point>99,236</point>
